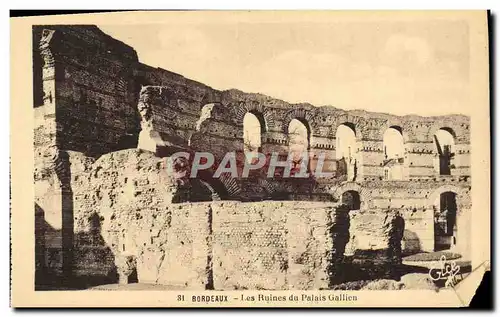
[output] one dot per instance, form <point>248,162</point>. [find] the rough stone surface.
<point>383,285</point>
<point>221,245</point>
<point>418,281</point>
<point>88,174</point>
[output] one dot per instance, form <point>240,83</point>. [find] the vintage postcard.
<point>250,159</point>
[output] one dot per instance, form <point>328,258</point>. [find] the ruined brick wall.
<point>316,240</point>
<point>89,91</point>
<point>95,93</point>
<point>417,201</point>
<point>249,246</point>
<point>125,205</point>
<point>100,84</point>
<point>113,183</point>
<point>170,245</point>
<point>60,178</point>
<point>367,230</point>
<point>48,201</point>
<point>99,80</point>
<point>277,245</point>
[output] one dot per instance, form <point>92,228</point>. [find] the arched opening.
<point>444,145</point>
<point>394,150</point>
<point>393,143</point>
<point>298,140</point>
<point>445,221</point>
<point>253,129</point>
<point>346,149</point>
<point>351,199</point>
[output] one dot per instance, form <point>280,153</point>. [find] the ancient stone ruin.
<point>107,210</point>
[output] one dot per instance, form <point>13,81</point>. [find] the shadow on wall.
<point>94,259</point>
<point>366,264</point>
<point>40,251</point>
<point>339,232</point>
<point>90,255</point>
<point>411,243</point>
<point>129,140</point>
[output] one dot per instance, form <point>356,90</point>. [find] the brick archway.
<point>303,115</point>
<point>256,108</point>
<point>364,194</point>
<point>356,123</point>
<point>450,233</point>
<point>460,192</point>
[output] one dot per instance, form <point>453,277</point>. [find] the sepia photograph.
<point>257,158</point>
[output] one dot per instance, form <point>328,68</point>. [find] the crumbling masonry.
<point>106,207</point>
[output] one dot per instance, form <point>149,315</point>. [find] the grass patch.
<point>432,256</point>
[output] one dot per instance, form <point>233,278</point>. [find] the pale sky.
<point>396,67</point>
<point>251,132</point>
<point>445,138</point>
<point>393,143</point>
<point>346,142</point>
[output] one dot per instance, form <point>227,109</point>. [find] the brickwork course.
<point>107,210</point>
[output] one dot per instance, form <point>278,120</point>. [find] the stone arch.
<point>458,129</point>
<point>260,117</point>
<point>401,127</point>
<point>305,116</point>
<point>461,195</point>
<point>356,123</point>
<point>448,229</point>
<point>395,160</point>
<point>266,117</point>
<point>350,125</point>
<point>397,137</point>
<point>352,199</point>
<point>396,127</point>
<point>253,136</point>
<point>364,194</point>
<point>300,125</point>
<point>444,150</point>
<point>446,127</point>
<point>396,123</point>
<point>347,147</point>
<point>353,126</point>
<point>299,141</point>
<point>348,129</point>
